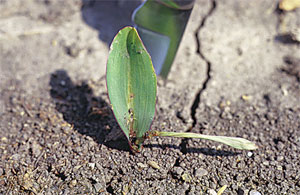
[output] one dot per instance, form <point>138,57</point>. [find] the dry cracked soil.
<point>237,73</point>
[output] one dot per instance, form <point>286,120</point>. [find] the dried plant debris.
<point>289,5</point>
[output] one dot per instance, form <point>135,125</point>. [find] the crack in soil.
<point>196,102</point>
<point>208,63</point>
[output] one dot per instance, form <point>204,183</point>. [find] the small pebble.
<point>280,146</point>
<point>177,170</point>
<point>186,177</point>
<point>153,164</point>
<point>98,187</point>
<point>201,172</point>
<point>280,158</point>
<point>73,183</point>
<point>141,165</point>
<point>284,89</point>
<point>279,168</point>
<point>212,185</point>
<point>249,154</point>
<point>254,192</point>
<point>266,163</point>
<point>92,165</point>
<point>223,183</point>
<point>211,192</point>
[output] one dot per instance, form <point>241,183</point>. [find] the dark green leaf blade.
<point>131,84</point>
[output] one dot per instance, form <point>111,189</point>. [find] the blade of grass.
<point>235,142</point>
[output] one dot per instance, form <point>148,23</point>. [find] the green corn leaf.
<point>131,85</point>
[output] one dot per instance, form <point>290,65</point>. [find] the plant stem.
<point>235,142</point>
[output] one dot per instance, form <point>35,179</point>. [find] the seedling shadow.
<point>88,114</point>
<point>205,151</point>
<point>108,17</point>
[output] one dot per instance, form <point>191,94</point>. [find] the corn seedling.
<point>131,85</point>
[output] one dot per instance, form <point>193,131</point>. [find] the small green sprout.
<point>131,85</point>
